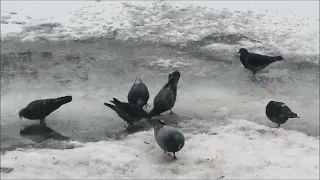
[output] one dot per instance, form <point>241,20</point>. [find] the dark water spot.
<point>122,133</point>
<point>18,22</point>
<point>6,170</point>
<point>4,21</point>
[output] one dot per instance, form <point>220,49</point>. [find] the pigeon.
<point>40,109</point>
<point>138,94</point>
<point>128,112</point>
<point>256,62</point>
<point>166,97</point>
<point>279,112</point>
<point>170,139</point>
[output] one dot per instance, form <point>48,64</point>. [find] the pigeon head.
<point>174,77</point>
<point>24,113</point>
<point>179,141</point>
<point>243,51</point>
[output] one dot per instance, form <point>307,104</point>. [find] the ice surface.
<point>241,149</point>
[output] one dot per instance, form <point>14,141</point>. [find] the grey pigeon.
<point>279,112</point>
<point>166,97</point>
<point>128,112</point>
<point>256,62</point>
<point>169,138</point>
<point>138,94</point>
<point>40,109</point>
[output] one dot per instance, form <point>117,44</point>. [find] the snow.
<point>165,22</point>
<point>240,150</point>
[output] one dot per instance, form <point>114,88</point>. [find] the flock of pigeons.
<point>169,138</point>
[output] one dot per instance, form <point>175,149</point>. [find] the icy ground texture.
<point>163,22</point>
<point>240,150</point>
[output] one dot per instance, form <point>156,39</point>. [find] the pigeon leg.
<point>171,113</point>
<point>254,73</point>
<point>164,152</point>
<point>146,105</point>
<point>278,126</point>
<point>130,126</point>
<point>174,156</point>
<point>42,121</point>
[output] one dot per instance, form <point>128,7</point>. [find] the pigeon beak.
<point>298,117</point>
<point>238,52</point>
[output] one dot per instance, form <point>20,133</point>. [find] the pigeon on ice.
<point>40,109</point>
<point>279,112</point>
<point>169,138</point>
<point>138,94</point>
<point>166,97</point>
<point>128,112</point>
<point>256,62</point>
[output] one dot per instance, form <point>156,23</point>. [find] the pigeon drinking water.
<point>40,109</point>
<point>169,138</point>
<point>279,112</point>
<point>256,62</point>
<point>128,112</point>
<point>138,94</point>
<point>166,97</point>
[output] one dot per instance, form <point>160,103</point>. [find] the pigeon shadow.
<point>140,126</point>
<point>39,133</point>
<point>261,79</point>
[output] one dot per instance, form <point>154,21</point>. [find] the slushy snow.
<point>240,150</point>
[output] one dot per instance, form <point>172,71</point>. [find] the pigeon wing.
<point>259,60</point>
<point>132,110</point>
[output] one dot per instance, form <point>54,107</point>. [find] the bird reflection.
<point>39,133</point>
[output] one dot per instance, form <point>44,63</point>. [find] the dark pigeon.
<point>279,112</point>
<point>40,109</point>
<point>169,138</point>
<point>128,112</point>
<point>256,62</point>
<point>166,97</point>
<point>138,94</point>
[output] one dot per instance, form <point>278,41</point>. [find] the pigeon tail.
<point>110,106</point>
<point>291,114</point>
<point>115,101</point>
<point>152,113</point>
<point>63,100</point>
<point>279,58</point>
